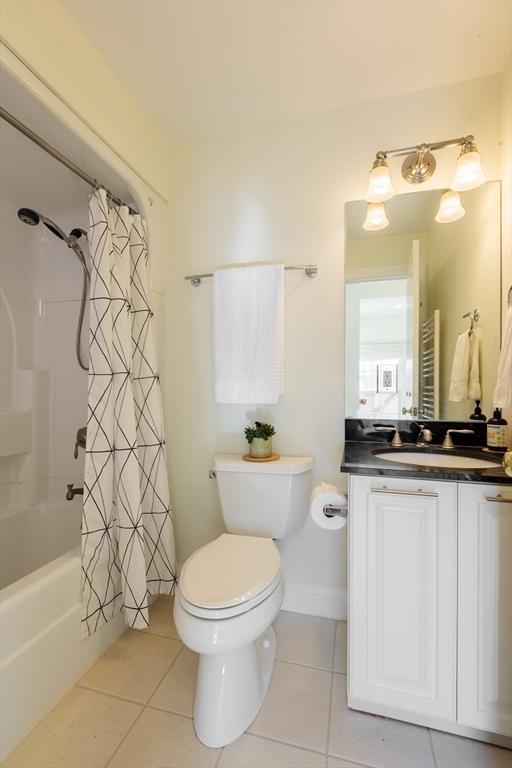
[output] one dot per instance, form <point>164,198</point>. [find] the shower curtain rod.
<point>59,156</point>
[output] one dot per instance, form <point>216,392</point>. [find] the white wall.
<point>47,39</point>
<point>279,195</point>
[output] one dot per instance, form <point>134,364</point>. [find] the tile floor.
<point>133,709</point>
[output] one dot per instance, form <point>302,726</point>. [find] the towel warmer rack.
<point>311,270</point>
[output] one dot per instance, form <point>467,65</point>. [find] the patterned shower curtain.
<point>127,533</point>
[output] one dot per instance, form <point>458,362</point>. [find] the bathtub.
<point>41,653</point>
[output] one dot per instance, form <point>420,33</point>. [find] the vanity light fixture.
<point>380,187</point>
<point>450,207</point>
<point>375,217</point>
<point>418,166</point>
<point>469,174</point>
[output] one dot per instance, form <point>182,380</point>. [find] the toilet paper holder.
<point>333,510</point>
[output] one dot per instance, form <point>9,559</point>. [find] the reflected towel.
<point>503,391</point>
<point>248,333</point>
<point>460,369</point>
<point>474,388</point>
<point>465,375</point>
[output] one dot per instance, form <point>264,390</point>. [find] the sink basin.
<point>437,460</point>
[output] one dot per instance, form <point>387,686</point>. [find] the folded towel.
<point>474,388</point>
<point>503,391</point>
<point>460,369</point>
<point>248,333</point>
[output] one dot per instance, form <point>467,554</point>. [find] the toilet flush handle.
<point>212,475</point>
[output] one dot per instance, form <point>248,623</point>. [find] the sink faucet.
<point>396,440</point>
<point>448,442</point>
<point>424,436</point>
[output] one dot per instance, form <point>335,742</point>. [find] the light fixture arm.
<point>462,141</point>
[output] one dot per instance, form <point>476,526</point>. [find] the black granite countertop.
<point>363,442</point>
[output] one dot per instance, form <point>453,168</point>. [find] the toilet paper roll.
<point>326,494</point>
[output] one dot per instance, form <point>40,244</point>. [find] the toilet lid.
<point>230,570</point>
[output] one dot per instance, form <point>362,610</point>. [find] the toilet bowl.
<point>224,613</point>
<point>231,590</point>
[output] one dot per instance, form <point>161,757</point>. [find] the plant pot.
<point>260,448</point>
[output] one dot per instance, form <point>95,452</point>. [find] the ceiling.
<point>197,66</point>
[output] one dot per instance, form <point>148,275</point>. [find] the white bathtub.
<point>41,653</point>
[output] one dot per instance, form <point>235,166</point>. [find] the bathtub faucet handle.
<point>72,492</point>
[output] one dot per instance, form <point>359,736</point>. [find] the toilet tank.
<point>264,498</point>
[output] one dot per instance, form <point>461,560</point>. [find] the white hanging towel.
<point>248,333</point>
<point>503,391</point>
<point>460,369</point>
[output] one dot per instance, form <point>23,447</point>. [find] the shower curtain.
<point>127,532</point>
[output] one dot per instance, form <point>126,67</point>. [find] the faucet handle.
<point>448,442</point>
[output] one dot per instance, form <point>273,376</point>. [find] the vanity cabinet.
<point>403,594</point>
<point>485,607</point>
<point>430,603</point>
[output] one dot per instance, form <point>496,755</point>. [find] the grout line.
<point>280,741</point>
<point>109,761</point>
<point>431,742</point>
<point>221,750</point>
<point>169,711</point>
<point>331,689</point>
<point>158,634</point>
<point>306,666</point>
<point>110,695</point>
<point>126,698</point>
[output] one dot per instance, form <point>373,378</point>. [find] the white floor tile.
<point>296,709</point>
<point>82,731</point>
<point>161,620</point>
<point>375,740</point>
<point>176,691</point>
<point>162,740</point>
<point>307,640</point>
<point>340,647</point>
<point>133,666</point>
<point>255,752</point>
<point>457,752</point>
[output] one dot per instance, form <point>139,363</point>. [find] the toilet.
<point>231,590</point>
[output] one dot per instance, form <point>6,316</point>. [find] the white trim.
<point>315,600</point>
<point>365,274</point>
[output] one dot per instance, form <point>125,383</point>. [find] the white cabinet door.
<point>402,594</point>
<point>485,607</point>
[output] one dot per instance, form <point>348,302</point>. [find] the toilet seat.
<point>229,576</point>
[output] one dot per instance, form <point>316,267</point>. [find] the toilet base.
<point>231,688</point>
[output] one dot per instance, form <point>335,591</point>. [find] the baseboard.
<point>315,600</point>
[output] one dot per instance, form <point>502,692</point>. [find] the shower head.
<point>28,216</point>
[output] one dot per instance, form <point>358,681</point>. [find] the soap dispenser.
<point>497,432</point>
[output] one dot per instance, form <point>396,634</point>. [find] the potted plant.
<point>259,438</point>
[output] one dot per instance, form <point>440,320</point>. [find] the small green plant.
<point>265,431</point>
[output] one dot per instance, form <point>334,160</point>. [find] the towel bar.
<point>311,270</point>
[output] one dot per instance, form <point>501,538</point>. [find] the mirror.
<point>411,290</point>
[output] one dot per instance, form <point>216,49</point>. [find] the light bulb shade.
<point>375,217</point>
<point>450,208</point>
<point>380,187</point>
<point>469,172</point>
